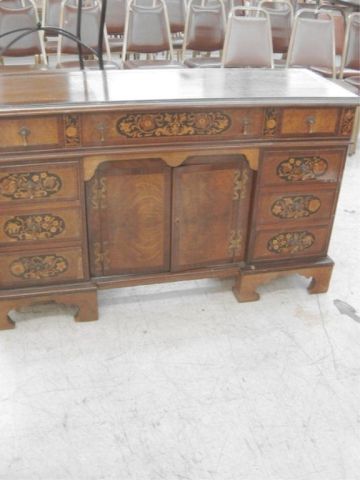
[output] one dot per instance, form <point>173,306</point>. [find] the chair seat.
<point>325,72</point>
<point>88,65</point>
<point>131,64</point>
<point>203,62</point>
<point>14,69</point>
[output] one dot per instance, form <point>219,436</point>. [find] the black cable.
<point>78,34</point>
<point>101,34</point>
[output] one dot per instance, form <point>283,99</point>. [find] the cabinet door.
<point>210,211</point>
<point>129,217</point>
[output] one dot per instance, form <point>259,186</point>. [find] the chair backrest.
<point>205,27</point>
<point>147,29</point>
<point>90,23</point>
<point>115,16</point>
<point>339,16</point>
<point>248,39</point>
<point>228,4</point>
<point>281,14</point>
<point>351,55</point>
<point>51,13</point>
<point>16,18</point>
<point>312,42</point>
<point>177,15</point>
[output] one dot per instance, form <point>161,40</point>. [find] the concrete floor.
<point>180,382</point>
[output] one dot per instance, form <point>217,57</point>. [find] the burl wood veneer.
<point>127,178</point>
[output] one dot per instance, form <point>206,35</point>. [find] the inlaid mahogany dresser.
<point>134,177</point>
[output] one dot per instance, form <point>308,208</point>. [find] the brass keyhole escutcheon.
<point>24,133</point>
<point>310,120</point>
<point>101,128</point>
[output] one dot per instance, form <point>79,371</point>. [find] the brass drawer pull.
<point>310,120</point>
<point>246,124</point>
<point>24,133</point>
<point>101,128</point>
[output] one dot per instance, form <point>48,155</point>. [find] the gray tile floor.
<point>180,382</point>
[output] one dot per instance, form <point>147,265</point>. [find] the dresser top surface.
<point>59,91</point>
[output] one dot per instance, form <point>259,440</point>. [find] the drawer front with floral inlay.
<point>289,243</point>
<point>41,267</point>
<point>27,133</point>
<point>40,225</point>
<point>39,183</point>
<point>287,167</point>
<point>296,206</point>
<point>171,126</point>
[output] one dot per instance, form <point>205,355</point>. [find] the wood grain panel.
<point>310,121</point>
<point>37,132</point>
<point>130,218</point>
<point>210,212</point>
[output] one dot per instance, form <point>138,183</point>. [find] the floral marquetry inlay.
<point>72,130</point>
<point>293,207</point>
<point>172,124</point>
<point>34,227</point>
<point>347,123</point>
<point>297,169</point>
<point>38,267</point>
<point>290,242</point>
<point>271,122</point>
<point>30,185</point>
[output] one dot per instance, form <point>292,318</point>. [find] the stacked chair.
<point>89,35</point>
<point>18,15</point>
<point>147,31</point>
<point>204,32</point>
<point>248,41</point>
<point>312,42</point>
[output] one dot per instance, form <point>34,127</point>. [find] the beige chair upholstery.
<point>204,32</point>
<point>248,39</point>
<point>147,31</point>
<point>17,18</point>
<point>281,16</point>
<point>350,62</point>
<point>312,42</point>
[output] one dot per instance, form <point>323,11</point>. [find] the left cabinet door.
<point>128,208</point>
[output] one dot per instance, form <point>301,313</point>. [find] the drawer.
<point>39,182</point>
<point>30,132</point>
<point>179,126</point>
<point>296,206</point>
<point>40,224</point>
<point>280,244</point>
<point>41,267</point>
<point>310,121</point>
<point>302,166</point>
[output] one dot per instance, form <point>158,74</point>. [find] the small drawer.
<point>310,121</point>
<point>290,243</point>
<point>301,166</point>
<point>41,267</point>
<point>30,132</point>
<point>43,224</point>
<point>296,206</point>
<point>39,182</point>
<point>176,126</point>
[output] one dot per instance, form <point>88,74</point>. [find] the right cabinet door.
<point>211,201</point>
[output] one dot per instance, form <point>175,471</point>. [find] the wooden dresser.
<point>134,177</point>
